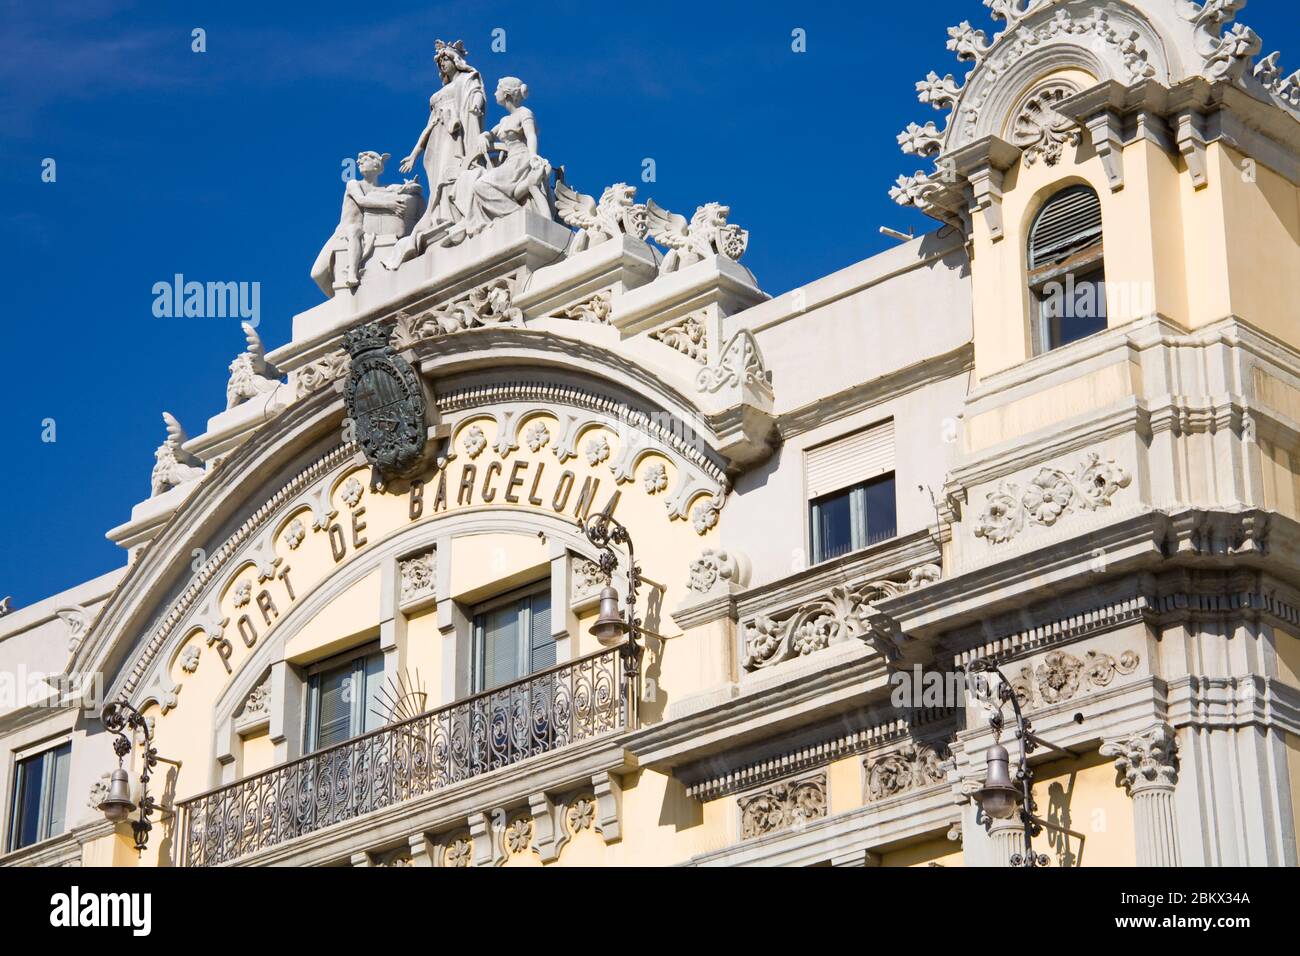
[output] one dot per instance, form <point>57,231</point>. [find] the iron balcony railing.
<point>494,729</point>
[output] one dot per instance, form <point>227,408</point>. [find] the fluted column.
<point>1148,766</point>
<point>1006,838</point>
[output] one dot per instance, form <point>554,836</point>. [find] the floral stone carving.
<point>710,568</point>
<point>1042,132</point>
<point>908,768</point>
<point>846,613</point>
<point>418,574</point>
<point>783,806</point>
<point>1145,760</point>
<point>687,336</point>
<point>1052,493</point>
<point>1061,676</point>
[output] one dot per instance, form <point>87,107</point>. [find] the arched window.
<point>1067,276</point>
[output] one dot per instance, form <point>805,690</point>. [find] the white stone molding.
<point>688,336</point>
<point>489,305</point>
<point>594,309</point>
<point>75,621</point>
<point>1147,764</point>
<point>323,371</point>
<point>1061,676</point>
<point>741,364</point>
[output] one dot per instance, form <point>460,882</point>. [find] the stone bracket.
<point>1106,130</point>
<point>1191,144</point>
<point>609,805</point>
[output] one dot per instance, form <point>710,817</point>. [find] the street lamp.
<point>604,531</point>
<point>1001,797</point>
<point>119,717</point>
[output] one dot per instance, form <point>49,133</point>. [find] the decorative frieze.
<point>911,767</point>
<point>595,309</point>
<point>1062,676</point>
<point>488,306</point>
<point>845,613</point>
<point>688,336</point>
<point>783,806</point>
<point>1053,492</point>
<point>316,375</point>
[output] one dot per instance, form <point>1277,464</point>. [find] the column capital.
<point>1147,760</point>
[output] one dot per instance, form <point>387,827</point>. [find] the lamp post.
<point>1001,797</point>
<point>604,531</point>
<point>120,717</point>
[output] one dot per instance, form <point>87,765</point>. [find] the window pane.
<point>373,673</point>
<point>541,641</point>
<point>501,646</point>
<point>832,526</point>
<point>882,516</point>
<point>58,781</point>
<point>1073,308</point>
<point>27,801</point>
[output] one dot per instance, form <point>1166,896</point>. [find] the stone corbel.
<point>549,832</point>
<point>609,806</point>
<point>422,850</point>
<point>487,848</point>
<point>1106,130</point>
<point>982,164</point>
<point>1190,135</point>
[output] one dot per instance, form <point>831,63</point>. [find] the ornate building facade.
<point>1060,432</point>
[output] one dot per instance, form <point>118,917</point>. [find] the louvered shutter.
<point>1070,221</point>
<point>500,646</point>
<point>850,460</point>
<point>541,641</point>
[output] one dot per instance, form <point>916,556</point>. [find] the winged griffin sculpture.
<point>174,466</point>
<point>250,374</point>
<point>596,222</point>
<point>708,233</point>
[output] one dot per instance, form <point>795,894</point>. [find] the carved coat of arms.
<point>386,403</point>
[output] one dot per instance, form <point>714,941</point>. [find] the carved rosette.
<point>1052,493</point>
<point>458,852</point>
<point>846,613</point>
<point>909,768</point>
<point>783,806</point>
<point>518,836</point>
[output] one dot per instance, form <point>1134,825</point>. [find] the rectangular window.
<point>40,796</point>
<point>853,518</point>
<point>343,698</point>
<point>512,639</point>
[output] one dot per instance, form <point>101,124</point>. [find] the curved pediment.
<point>1051,50</point>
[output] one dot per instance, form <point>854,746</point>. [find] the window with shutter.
<point>1067,279</point>
<point>512,639</point>
<point>850,482</point>
<point>343,698</point>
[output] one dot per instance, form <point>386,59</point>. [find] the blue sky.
<point>225,166</point>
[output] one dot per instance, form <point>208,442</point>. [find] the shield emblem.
<point>386,404</point>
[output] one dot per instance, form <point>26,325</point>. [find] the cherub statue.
<point>174,465</point>
<point>250,374</point>
<point>505,173</point>
<point>616,213</point>
<point>359,197</point>
<point>708,234</point>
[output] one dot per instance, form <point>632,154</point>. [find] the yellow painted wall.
<point>936,850</point>
<point>1082,795</point>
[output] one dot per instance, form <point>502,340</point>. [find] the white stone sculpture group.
<point>476,176</point>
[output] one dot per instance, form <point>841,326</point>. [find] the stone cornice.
<point>867,394</point>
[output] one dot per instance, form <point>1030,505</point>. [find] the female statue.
<point>455,125</point>
<point>518,176</point>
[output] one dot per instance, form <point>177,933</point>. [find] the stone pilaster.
<point>1148,767</point>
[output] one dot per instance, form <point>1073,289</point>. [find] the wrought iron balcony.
<point>544,711</point>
